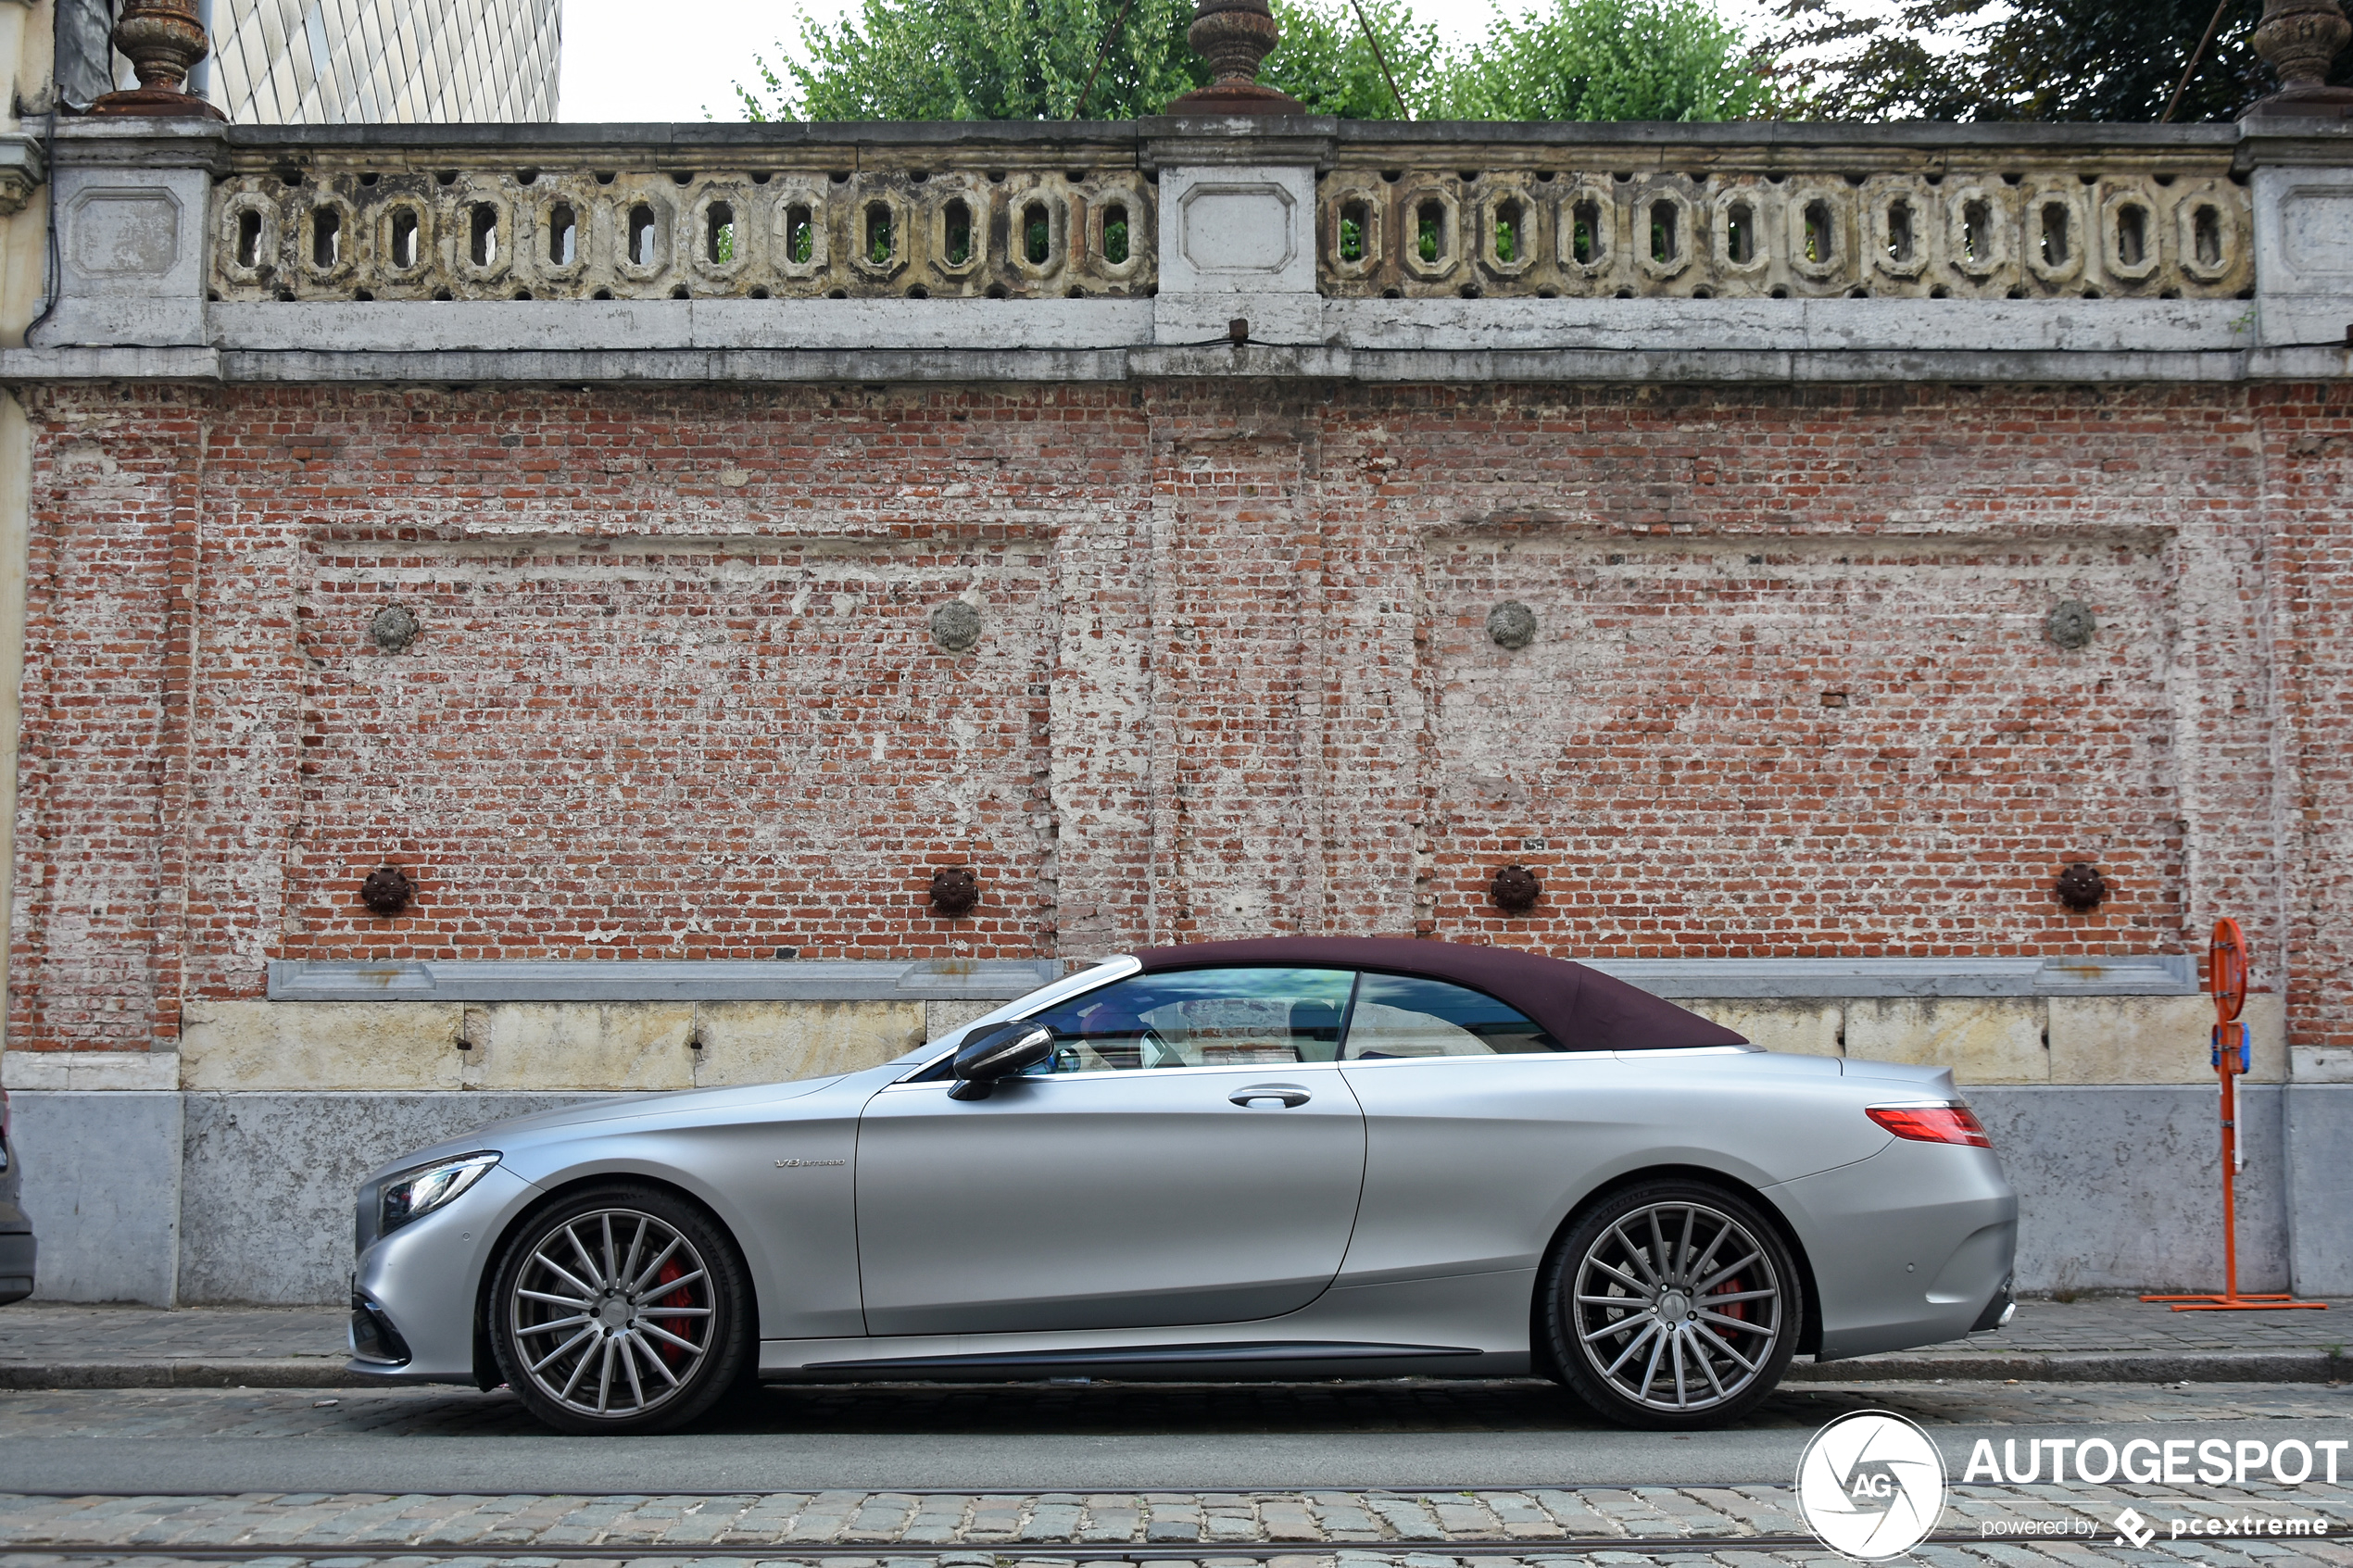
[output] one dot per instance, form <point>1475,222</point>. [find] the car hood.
<point>663,1105</point>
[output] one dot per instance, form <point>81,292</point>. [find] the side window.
<point>1396,1016</point>
<point>1201,1018</point>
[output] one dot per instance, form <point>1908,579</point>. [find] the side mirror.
<point>999,1053</point>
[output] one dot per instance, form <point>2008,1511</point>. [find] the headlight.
<point>427,1188</point>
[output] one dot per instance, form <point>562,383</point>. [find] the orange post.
<point>2226,978</point>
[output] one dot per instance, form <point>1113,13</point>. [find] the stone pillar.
<point>1237,227</point>
<point>2302,190</point>
<point>131,196</point>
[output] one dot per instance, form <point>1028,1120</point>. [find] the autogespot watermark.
<point>2166,1461</point>
<point>1872,1484</point>
<point>2150,1461</point>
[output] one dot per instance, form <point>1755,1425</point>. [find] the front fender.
<point>793,1223</point>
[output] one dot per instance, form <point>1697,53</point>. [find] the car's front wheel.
<point>622,1308</point>
<point>1672,1304</point>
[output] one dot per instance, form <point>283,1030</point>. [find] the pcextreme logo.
<point>1872,1485</point>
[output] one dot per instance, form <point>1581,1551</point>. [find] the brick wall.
<point>676,693</point>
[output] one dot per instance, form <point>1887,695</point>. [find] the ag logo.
<point>1872,1485</point>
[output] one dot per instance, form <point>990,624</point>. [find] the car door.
<point>1478,1125</point>
<point>1191,1154</point>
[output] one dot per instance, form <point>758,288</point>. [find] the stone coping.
<point>2153,974</point>
<point>594,980</point>
<point>591,980</point>
<point>1249,131</point>
<point>997,366</point>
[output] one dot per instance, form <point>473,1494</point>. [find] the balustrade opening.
<point>1820,243</point>
<point>1352,219</point>
<point>959,224</point>
<point>2055,237</point>
<point>1585,233</point>
<point>1977,230</point>
<point>2132,234</point>
<point>1510,222</point>
<point>2205,235</point>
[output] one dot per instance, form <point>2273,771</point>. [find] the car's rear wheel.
<point>1672,1304</point>
<point>624,1308</point>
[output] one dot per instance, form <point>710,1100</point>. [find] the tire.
<point>621,1309</point>
<point>1632,1337</point>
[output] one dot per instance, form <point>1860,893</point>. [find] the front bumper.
<point>419,1286</point>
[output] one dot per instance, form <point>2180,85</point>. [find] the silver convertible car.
<point>1284,1159</point>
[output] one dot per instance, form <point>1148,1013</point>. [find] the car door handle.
<point>1289,1094</point>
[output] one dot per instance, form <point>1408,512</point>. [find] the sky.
<point>626,60</point>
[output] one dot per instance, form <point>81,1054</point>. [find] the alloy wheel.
<point>1677,1307</point>
<point>611,1313</point>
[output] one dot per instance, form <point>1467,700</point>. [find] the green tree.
<point>1326,62</point>
<point>2027,59</point>
<point>1030,59</point>
<point>1613,59</point>
<point>981,59</point>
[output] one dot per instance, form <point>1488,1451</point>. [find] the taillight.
<point>1935,1123</point>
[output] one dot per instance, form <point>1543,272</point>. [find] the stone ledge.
<point>560,980</point>
<point>591,980</point>
<point>1001,366</point>
<point>2154,975</point>
<point>74,1070</point>
<point>311,1371</point>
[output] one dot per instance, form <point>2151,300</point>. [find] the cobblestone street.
<point>1674,1516</point>
<point>1490,1529</point>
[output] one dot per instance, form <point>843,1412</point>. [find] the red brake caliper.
<point>671,1353</point>
<point>1737,1311</point>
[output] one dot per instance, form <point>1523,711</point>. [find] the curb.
<point>2072,1366</point>
<point>299,1373</point>
<point>2085,1366</point>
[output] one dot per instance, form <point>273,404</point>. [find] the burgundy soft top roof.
<point>1584,1009</point>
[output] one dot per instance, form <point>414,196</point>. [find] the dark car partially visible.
<point>16,1231</point>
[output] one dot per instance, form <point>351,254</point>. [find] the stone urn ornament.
<point>163,40</point>
<point>2300,40</point>
<point>1235,37</point>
